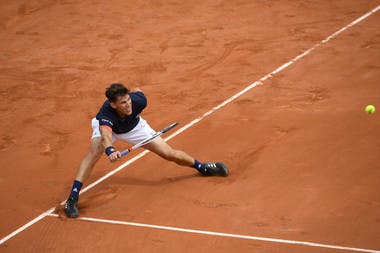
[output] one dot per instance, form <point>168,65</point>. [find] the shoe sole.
<point>224,169</point>
<point>71,215</point>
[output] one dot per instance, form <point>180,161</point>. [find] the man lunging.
<point>119,118</point>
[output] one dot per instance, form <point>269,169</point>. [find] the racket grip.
<point>123,153</point>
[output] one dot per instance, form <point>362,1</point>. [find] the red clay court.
<point>275,89</point>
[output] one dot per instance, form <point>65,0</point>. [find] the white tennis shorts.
<point>141,131</point>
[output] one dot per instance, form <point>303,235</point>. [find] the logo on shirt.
<point>107,121</point>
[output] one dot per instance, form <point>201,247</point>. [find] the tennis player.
<point>119,118</point>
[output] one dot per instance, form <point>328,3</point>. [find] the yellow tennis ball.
<point>370,109</point>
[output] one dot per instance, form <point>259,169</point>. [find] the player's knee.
<point>172,155</point>
<point>96,148</point>
<point>166,154</point>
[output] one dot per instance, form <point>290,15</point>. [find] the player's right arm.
<point>110,151</point>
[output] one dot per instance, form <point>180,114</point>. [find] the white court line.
<point>227,101</point>
<point>248,237</point>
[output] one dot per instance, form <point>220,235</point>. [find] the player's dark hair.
<point>115,90</point>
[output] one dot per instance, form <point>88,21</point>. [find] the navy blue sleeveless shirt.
<point>108,116</point>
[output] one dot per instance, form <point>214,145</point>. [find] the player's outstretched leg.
<point>84,171</point>
<point>161,148</point>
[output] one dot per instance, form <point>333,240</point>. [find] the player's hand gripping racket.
<point>147,140</point>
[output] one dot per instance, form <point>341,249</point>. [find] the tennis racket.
<point>147,140</point>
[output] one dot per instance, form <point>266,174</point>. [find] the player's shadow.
<point>128,180</point>
<point>105,194</point>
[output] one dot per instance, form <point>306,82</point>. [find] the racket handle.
<point>123,153</point>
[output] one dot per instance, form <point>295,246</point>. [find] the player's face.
<point>123,105</point>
